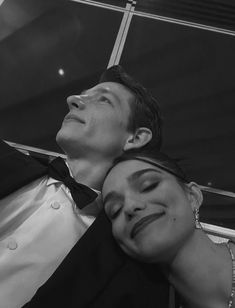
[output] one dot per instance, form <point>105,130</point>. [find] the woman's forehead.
<point>130,163</point>
<point>127,169</point>
<point>129,166</point>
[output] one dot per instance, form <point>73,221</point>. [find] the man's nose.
<point>76,101</point>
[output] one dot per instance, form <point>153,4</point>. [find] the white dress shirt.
<point>39,225</point>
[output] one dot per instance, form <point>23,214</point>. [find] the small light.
<point>209,184</point>
<point>61,72</point>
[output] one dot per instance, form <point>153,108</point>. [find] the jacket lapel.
<point>17,169</point>
<point>91,263</point>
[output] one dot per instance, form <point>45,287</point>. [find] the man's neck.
<point>88,172</point>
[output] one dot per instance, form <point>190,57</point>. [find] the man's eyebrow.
<point>112,195</point>
<point>134,176</point>
<point>107,91</point>
<point>102,90</point>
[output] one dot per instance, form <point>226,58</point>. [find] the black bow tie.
<point>82,194</point>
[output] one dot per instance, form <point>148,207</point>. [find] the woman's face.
<point>151,213</point>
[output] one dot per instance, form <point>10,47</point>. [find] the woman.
<point>154,214</point>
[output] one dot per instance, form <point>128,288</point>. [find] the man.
<point>45,237</point>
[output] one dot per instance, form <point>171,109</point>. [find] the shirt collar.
<point>51,181</point>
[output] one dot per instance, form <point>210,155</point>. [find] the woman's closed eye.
<point>113,210</point>
<point>148,186</point>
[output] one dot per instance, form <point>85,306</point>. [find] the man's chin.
<point>65,141</point>
<point>60,138</point>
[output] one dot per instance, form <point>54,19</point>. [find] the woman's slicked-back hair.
<point>145,111</point>
<point>155,158</point>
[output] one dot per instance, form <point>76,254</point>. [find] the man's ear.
<point>140,138</point>
<point>195,195</point>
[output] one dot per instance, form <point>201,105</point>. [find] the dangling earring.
<point>197,222</point>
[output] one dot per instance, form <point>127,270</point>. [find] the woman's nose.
<point>133,207</point>
<point>76,101</point>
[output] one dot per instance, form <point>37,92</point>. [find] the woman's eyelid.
<point>113,208</point>
<point>149,186</point>
<point>149,181</point>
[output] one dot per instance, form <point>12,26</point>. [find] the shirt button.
<point>55,205</point>
<point>12,245</point>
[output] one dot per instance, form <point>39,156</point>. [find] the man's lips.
<point>73,117</point>
<point>143,222</point>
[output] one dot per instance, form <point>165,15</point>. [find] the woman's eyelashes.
<point>113,210</point>
<point>148,186</point>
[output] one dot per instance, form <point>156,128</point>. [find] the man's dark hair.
<point>145,111</point>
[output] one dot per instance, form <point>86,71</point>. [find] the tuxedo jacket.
<point>95,273</point>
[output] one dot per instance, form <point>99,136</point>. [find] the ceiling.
<point>183,51</point>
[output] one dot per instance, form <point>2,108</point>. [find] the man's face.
<point>97,121</point>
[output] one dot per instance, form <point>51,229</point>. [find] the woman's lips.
<point>143,222</point>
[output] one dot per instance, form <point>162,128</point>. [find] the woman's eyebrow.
<point>136,175</point>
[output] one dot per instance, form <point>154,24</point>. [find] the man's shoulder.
<point>17,169</point>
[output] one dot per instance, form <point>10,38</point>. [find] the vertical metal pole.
<point>122,34</point>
